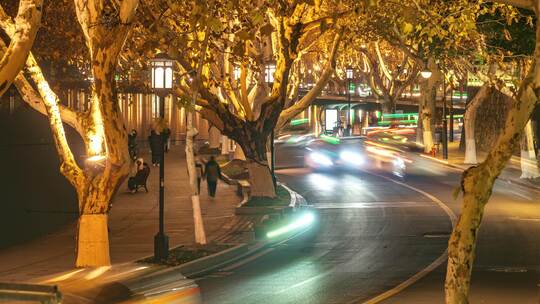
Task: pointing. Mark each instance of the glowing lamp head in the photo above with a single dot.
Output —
(269, 71)
(426, 74)
(350, 73)
(162, 72)
(236, 73)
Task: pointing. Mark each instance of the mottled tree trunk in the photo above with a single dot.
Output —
(105, 132)
(477, 184)
(22, 35)
(260, 179)
(200, 235)
(428, 100)
(92, 233)
(260, 176)
(469, 124)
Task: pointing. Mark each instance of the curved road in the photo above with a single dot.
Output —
(372, 234)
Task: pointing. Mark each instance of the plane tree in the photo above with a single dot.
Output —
(477, 181)
(387, 69)
(105, 26)
(25, 27)
(251, 51)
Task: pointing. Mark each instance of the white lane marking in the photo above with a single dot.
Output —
(422, 273)
(361, 205)
(302, 283)
(517, 218)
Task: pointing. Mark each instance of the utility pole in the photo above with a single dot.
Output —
(444, 121)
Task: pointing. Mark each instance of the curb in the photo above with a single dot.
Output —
(463, 168)
(163, 280)
(209, 263)
(296, 201)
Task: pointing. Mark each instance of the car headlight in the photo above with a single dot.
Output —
(321, 159)
(398, 161)
(351, 157)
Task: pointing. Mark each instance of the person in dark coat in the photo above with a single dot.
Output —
(156, 147)
(132, 144)
(212, 173)
(167, 133)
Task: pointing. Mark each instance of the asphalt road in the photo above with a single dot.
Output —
(374, 234)
(371, 235)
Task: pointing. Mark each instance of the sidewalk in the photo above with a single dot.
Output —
(133, 222)
(511, 172)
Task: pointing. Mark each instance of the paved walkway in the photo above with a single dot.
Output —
(133, 223)
(511, 172)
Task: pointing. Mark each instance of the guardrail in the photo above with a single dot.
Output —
(47, 294)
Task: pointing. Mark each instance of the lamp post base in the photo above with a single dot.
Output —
(161, 246)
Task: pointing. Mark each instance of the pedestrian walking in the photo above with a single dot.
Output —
(167, 132)
(212, 172)
(200, 173)
(156, 147)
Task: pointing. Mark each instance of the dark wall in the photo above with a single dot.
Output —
(35, 198)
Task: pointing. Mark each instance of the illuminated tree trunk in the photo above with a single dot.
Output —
(101, 128)
(200, 235)
(260, 176)
(22, 35)
(529, 165)
(428, 100)
(92, 235)
(477, 184)
(470, 122)
(214, 135)
(426, 115)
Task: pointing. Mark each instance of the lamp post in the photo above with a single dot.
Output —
(270, 69)
(350, 75)
(444, 123)
(162, 80)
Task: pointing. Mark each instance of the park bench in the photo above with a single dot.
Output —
(141, 178)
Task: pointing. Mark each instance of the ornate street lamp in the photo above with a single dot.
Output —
(162, 82)
(236, 73)
(269, 71)
(350, 75)
(425, 73)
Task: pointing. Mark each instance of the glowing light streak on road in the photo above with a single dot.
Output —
(303, 221)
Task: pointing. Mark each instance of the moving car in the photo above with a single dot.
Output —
(329, 153)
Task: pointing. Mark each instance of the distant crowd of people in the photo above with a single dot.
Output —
(210, 170)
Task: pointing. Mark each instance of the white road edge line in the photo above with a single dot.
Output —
(422, 273)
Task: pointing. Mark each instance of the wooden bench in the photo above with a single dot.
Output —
(48, 294)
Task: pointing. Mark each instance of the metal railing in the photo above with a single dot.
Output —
(47, 294)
